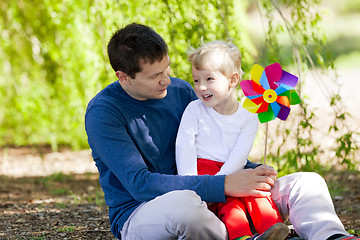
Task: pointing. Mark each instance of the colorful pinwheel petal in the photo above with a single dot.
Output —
(270, 92)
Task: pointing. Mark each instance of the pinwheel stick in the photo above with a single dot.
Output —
(266, 135)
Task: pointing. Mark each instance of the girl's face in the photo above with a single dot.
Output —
(215, 90)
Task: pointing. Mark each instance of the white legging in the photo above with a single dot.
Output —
(304, 197)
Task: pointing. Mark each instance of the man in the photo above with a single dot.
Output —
(131, 127)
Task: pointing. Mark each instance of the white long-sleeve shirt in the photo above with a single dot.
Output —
(204, 133)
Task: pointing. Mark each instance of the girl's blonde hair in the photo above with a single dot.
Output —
(218, 56)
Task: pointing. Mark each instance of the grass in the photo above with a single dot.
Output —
(70, 228)
(354, 232)
(66, 188)
(39, 237)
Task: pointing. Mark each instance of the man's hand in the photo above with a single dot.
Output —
(268, 167)
(250, 182)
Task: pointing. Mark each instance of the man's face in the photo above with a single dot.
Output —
(151, 82)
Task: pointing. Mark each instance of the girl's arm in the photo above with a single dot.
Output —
(185, 153)
(237, 158)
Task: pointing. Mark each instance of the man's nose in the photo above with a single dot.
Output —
(165, 80)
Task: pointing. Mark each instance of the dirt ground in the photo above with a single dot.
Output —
(55, 207)
(71, 206)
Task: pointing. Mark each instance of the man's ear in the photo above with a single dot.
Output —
(123, 77)
(235, 79)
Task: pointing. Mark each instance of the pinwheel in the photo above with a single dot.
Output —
(269, 93)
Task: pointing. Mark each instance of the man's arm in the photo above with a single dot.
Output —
(108, 138)
(251, 165)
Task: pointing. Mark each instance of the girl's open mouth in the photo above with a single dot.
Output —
(207, 96)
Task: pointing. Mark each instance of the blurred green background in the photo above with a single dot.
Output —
(53, 56)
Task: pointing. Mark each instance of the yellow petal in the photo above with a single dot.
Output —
(250, 106)
(256, 72)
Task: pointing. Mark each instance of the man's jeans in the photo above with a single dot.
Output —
(304, 197)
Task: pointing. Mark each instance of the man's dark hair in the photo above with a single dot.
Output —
(133, 44)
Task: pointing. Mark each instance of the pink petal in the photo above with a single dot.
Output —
(273, 73)
(247, 87)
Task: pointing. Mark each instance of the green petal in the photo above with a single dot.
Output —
(292, 96)
(266, 116)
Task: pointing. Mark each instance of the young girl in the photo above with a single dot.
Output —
(216, 135)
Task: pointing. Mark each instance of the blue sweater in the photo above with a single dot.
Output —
(133, 146)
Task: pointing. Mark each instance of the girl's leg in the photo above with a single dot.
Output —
(174, 215)
(233, 215)
(233, 211)
(306, 199)
(263, 212)
(206, 166)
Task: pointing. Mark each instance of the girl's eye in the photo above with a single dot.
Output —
(210, 78)
(196, 81)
